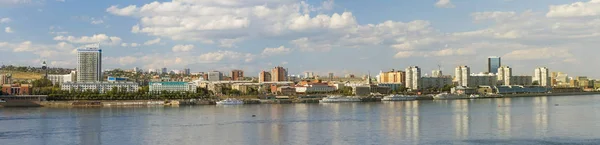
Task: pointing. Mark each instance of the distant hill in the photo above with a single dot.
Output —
(19, 75)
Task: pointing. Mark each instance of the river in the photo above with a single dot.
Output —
(525, 120)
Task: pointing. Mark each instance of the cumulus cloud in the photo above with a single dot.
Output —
(96, 38)
(444, 4)
(577, 9)
(8, 30)
(5, 20)
(182, 48)
(276, 51)
(535, 54)
(221, 55)
(152, 42)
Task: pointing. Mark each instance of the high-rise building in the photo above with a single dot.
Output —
(278, 74)
(436, 73)
(461, 75)
(542, 76)
(494, 62)
(309, 75)
(237, 75)
(187, 71)
(482, 79)
(504, 75)
(89, 68)
(164, 70)
(330, 75)
(413, 77)
(264, 76)
(215, 76)
(393, 76)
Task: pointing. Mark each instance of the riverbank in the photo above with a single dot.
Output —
(134, 103)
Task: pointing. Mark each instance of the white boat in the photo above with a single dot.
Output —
(338, 98)
(473, 96)
(444, 96)
(230, 101)
(399, 98)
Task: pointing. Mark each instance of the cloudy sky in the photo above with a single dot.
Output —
(341, 36)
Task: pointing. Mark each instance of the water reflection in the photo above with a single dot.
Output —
(411, 120)
(503, 116)
(461, 118)
(540, 111)
(90, 126)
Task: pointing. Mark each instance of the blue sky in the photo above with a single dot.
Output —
(318, 35)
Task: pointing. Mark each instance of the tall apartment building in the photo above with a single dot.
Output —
(264, 76)
(215, 76)
(237, 75)
(436, 73)
(308, 75)
(461, 75)
(279, 74)
(413, 78)
(393, 76)
(89, 68)
(164, 70)
(504, 75)
(542, 76)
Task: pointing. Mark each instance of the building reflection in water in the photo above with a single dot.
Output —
(411, 120)
(541, 115)
(90, 125)
(503, 116)
(461, 118)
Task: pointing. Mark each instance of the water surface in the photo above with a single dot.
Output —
(534, 120)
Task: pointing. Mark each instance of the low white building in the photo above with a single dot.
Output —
(60, 79)
(314, 88)
(101, 87)
(158, 87)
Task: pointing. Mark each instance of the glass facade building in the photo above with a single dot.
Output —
(494, 63)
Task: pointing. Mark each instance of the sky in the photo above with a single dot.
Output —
(321, 36)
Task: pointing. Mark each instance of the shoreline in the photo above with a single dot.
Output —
(147, 103)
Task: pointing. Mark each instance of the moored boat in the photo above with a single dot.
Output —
(445, 96)
(399, 98)
(230, 101)
(339, 98)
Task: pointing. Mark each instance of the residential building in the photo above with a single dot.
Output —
(494, 62)
(187, 71)
(101, 87)
(542, 76)
(482, 79)
(435, 82)
(331, 75)
(413, 77)
(237, 75)
(392, 77)
(309, 75)
(89, 64)
(392, 86)
(361, 90)
(504, 75)
(164, 70)
(152, 71)
(521, 80)
(461, 75)
(246, 88)
(264, 76)
(16, 89)
(215, 76)
(314, 88)
(286, 90)
(279, 74)
(158, 87)
(5, 79)
(59, 79)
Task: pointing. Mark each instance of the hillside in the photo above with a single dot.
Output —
(18, 75)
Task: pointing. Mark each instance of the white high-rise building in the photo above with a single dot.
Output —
(542, 76)
(308, 75)
(504, 75)
(436, 73)
(461, 75)
(89, 68)
(413, 78)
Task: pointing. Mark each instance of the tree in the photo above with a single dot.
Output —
(447, 88)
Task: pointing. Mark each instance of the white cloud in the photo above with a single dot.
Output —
(229, 43)
(182, 48)
(444, 4)
(23, 47)
(577, 9)
(8, 30)
(60, 0)
(5, 20)
(222, 55)
(97, 21)
(535, 54)
(126, 11)
(276, 51)
(96, 38)
(152, 42)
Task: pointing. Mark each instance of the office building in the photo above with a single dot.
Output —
(237, 75)
(215, 76)
(279, 74)
(187, 71)
(60, 79)
(461, 75)
(158, 87)
(542, 76)
(413, 77)
(494, 62)
(164, 70)
(504, 75)
(100, 87)
(398, 77)
(264, 76)
(89, 67)
(330, 75)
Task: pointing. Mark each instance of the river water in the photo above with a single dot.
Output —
(528, 120)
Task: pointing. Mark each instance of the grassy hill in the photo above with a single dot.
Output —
(17, 75)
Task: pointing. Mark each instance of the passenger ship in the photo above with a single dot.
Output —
(339, 98)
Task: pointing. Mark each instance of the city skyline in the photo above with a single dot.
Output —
(341, 37)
